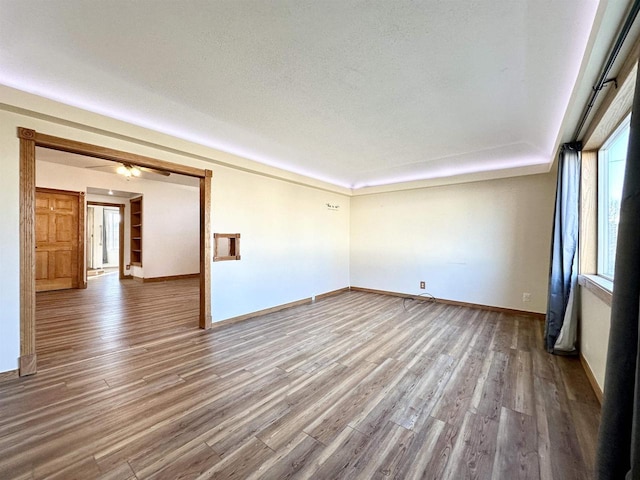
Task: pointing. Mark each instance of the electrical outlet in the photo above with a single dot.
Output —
(526, 297)
(422, 285)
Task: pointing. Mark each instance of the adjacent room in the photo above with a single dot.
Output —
(108, 233)
(319, 240)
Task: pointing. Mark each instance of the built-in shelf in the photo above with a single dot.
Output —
(136, 231)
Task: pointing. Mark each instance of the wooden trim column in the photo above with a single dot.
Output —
(205, 250)
(82, 206)
(27, 361)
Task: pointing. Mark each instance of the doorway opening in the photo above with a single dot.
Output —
(105, 239)
(29, 140)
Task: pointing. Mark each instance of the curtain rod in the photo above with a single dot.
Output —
(622, 35)
(577, 146)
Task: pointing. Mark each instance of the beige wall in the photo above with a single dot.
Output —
(595, 323)
(292, 245)
(485, 242)
(9, 248)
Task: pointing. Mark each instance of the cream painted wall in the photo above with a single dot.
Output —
(484, 243)
(9, 249)
(595, 323)
(292, 245)
(171, 218)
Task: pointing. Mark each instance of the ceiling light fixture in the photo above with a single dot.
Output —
(128, 171)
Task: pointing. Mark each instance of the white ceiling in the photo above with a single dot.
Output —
(108, 167)
(351, 92)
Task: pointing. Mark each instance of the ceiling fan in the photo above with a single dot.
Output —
(129, 170)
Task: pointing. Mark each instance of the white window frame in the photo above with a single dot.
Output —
(603, 196)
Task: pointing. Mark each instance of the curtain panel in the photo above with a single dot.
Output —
(561, 322)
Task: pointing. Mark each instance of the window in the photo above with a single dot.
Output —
(611, 162)
(226, 246)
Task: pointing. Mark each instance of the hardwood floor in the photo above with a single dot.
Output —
(352, 386)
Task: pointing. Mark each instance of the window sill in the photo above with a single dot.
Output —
(600, 287)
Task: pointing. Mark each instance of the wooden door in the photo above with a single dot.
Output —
(58, 233)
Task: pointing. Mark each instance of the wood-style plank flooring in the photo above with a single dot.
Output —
(352, 386)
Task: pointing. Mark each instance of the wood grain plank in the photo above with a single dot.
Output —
(519, 391)
(586, 419)
(192, 464)
(435, 441)
(415, 409)
(345, 459)
(517, 450)
(474, 451)
(240, 463)
(576, 382)
(355, 404)
(458, 393)
(382, 458)
(424, 451)
(489, 399)
(118, 472)
(289, 461)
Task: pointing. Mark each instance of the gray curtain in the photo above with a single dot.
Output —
(561, 323)
(619, 437)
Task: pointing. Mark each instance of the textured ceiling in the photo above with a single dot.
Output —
(355, 93)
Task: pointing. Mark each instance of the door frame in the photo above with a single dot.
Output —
(120, 206)
(80, 274)
(29, 140)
